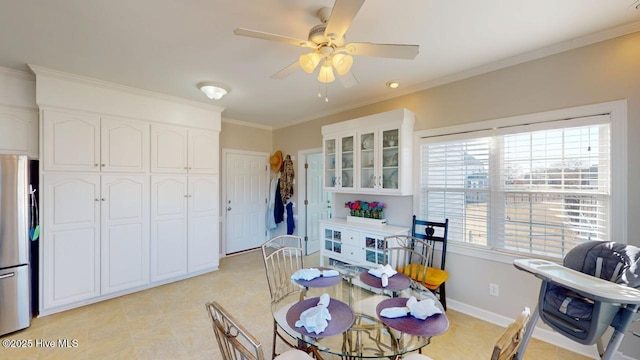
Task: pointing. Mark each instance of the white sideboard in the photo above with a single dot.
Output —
(355, 243)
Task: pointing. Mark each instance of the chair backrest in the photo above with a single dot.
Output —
(507, 345)
(408, 255)
(432, 232)
(235, 342)
(283, 255)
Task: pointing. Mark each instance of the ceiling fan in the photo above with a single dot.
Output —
(328, 45)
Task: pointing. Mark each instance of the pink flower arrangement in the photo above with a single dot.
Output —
(365, 209)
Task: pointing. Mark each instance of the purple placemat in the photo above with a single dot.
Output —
(397, 282)
(431, 326)
(342, 317)
(320, 282)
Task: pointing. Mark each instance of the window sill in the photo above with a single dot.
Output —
(504, 257)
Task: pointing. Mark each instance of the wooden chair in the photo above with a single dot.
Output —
(283, 255)
(432, 233)
(236, 343)
(506, 346)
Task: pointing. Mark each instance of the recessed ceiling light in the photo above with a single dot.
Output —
(213, 90)
(393, 84)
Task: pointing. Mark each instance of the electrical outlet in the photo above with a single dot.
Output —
(494, 289)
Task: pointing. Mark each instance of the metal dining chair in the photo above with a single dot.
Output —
(433, 233)
(407, 255)
(506, 346)
(236, 343)
(283, 255)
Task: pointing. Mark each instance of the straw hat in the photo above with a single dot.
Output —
(276, 161)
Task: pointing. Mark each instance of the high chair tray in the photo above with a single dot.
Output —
(598, 289)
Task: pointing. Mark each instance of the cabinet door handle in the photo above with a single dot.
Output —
(96, 164)
(102, 199)
(102, 165)
(4, 276)
(96, 199)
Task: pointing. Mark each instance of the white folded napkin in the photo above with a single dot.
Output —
(312, 273)
(418, 309)
(384, 272)
(315, 319)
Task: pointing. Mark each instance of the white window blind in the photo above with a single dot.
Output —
(532, 189)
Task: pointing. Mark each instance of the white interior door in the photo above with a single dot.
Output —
(318, 201)
(245, 200)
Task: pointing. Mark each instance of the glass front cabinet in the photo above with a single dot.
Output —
(339, 160)
(377, 160)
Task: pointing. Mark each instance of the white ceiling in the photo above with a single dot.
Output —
(168, 46)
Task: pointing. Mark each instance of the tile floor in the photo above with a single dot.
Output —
(170, 322)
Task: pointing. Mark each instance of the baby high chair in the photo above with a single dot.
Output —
(596, 287)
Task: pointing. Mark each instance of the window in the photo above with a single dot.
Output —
(539, 188)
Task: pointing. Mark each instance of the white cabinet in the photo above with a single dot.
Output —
(18, 131)
(203, 245)
(339, 162)
(124, 145)
(124, 240)
(71, 141)
(97, 235)
(378, 160)
(81, 142)
(356, 244)
(72, 238)
(168, 226)
(179, 150)
(184, 225)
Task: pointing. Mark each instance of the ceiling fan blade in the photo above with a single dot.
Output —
(290, 69)
(273, 37)
(348, 80)
(396, 51)
(341, 16)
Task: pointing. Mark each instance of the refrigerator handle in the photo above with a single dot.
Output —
(4, 276)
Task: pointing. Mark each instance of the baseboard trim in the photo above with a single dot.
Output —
(539, 333)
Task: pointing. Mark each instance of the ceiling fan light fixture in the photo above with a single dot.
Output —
(342, 63)
(212, 90)
(309, 62)
(326, 74)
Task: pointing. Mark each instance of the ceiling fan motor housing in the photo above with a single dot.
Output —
(316, 35)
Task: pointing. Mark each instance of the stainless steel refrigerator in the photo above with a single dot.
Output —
(15, 301)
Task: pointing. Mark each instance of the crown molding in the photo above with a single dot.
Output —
(246, 123)
(18, 74)
(38, 70)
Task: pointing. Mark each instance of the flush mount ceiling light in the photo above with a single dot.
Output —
(212, 90)
(393, 84)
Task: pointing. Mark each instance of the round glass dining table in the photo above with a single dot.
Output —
(355, 329)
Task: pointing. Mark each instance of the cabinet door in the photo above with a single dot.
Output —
(373, 246)
(125, 232)
(330, 177)
(168, 149)
(367, 169)
(71, 141)
(347, 174)
(168, 226)
(390, 158)
(18, 132)
(332, 243)
(124, 145)
(203, 152)
(71, 238)
(203, 238)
